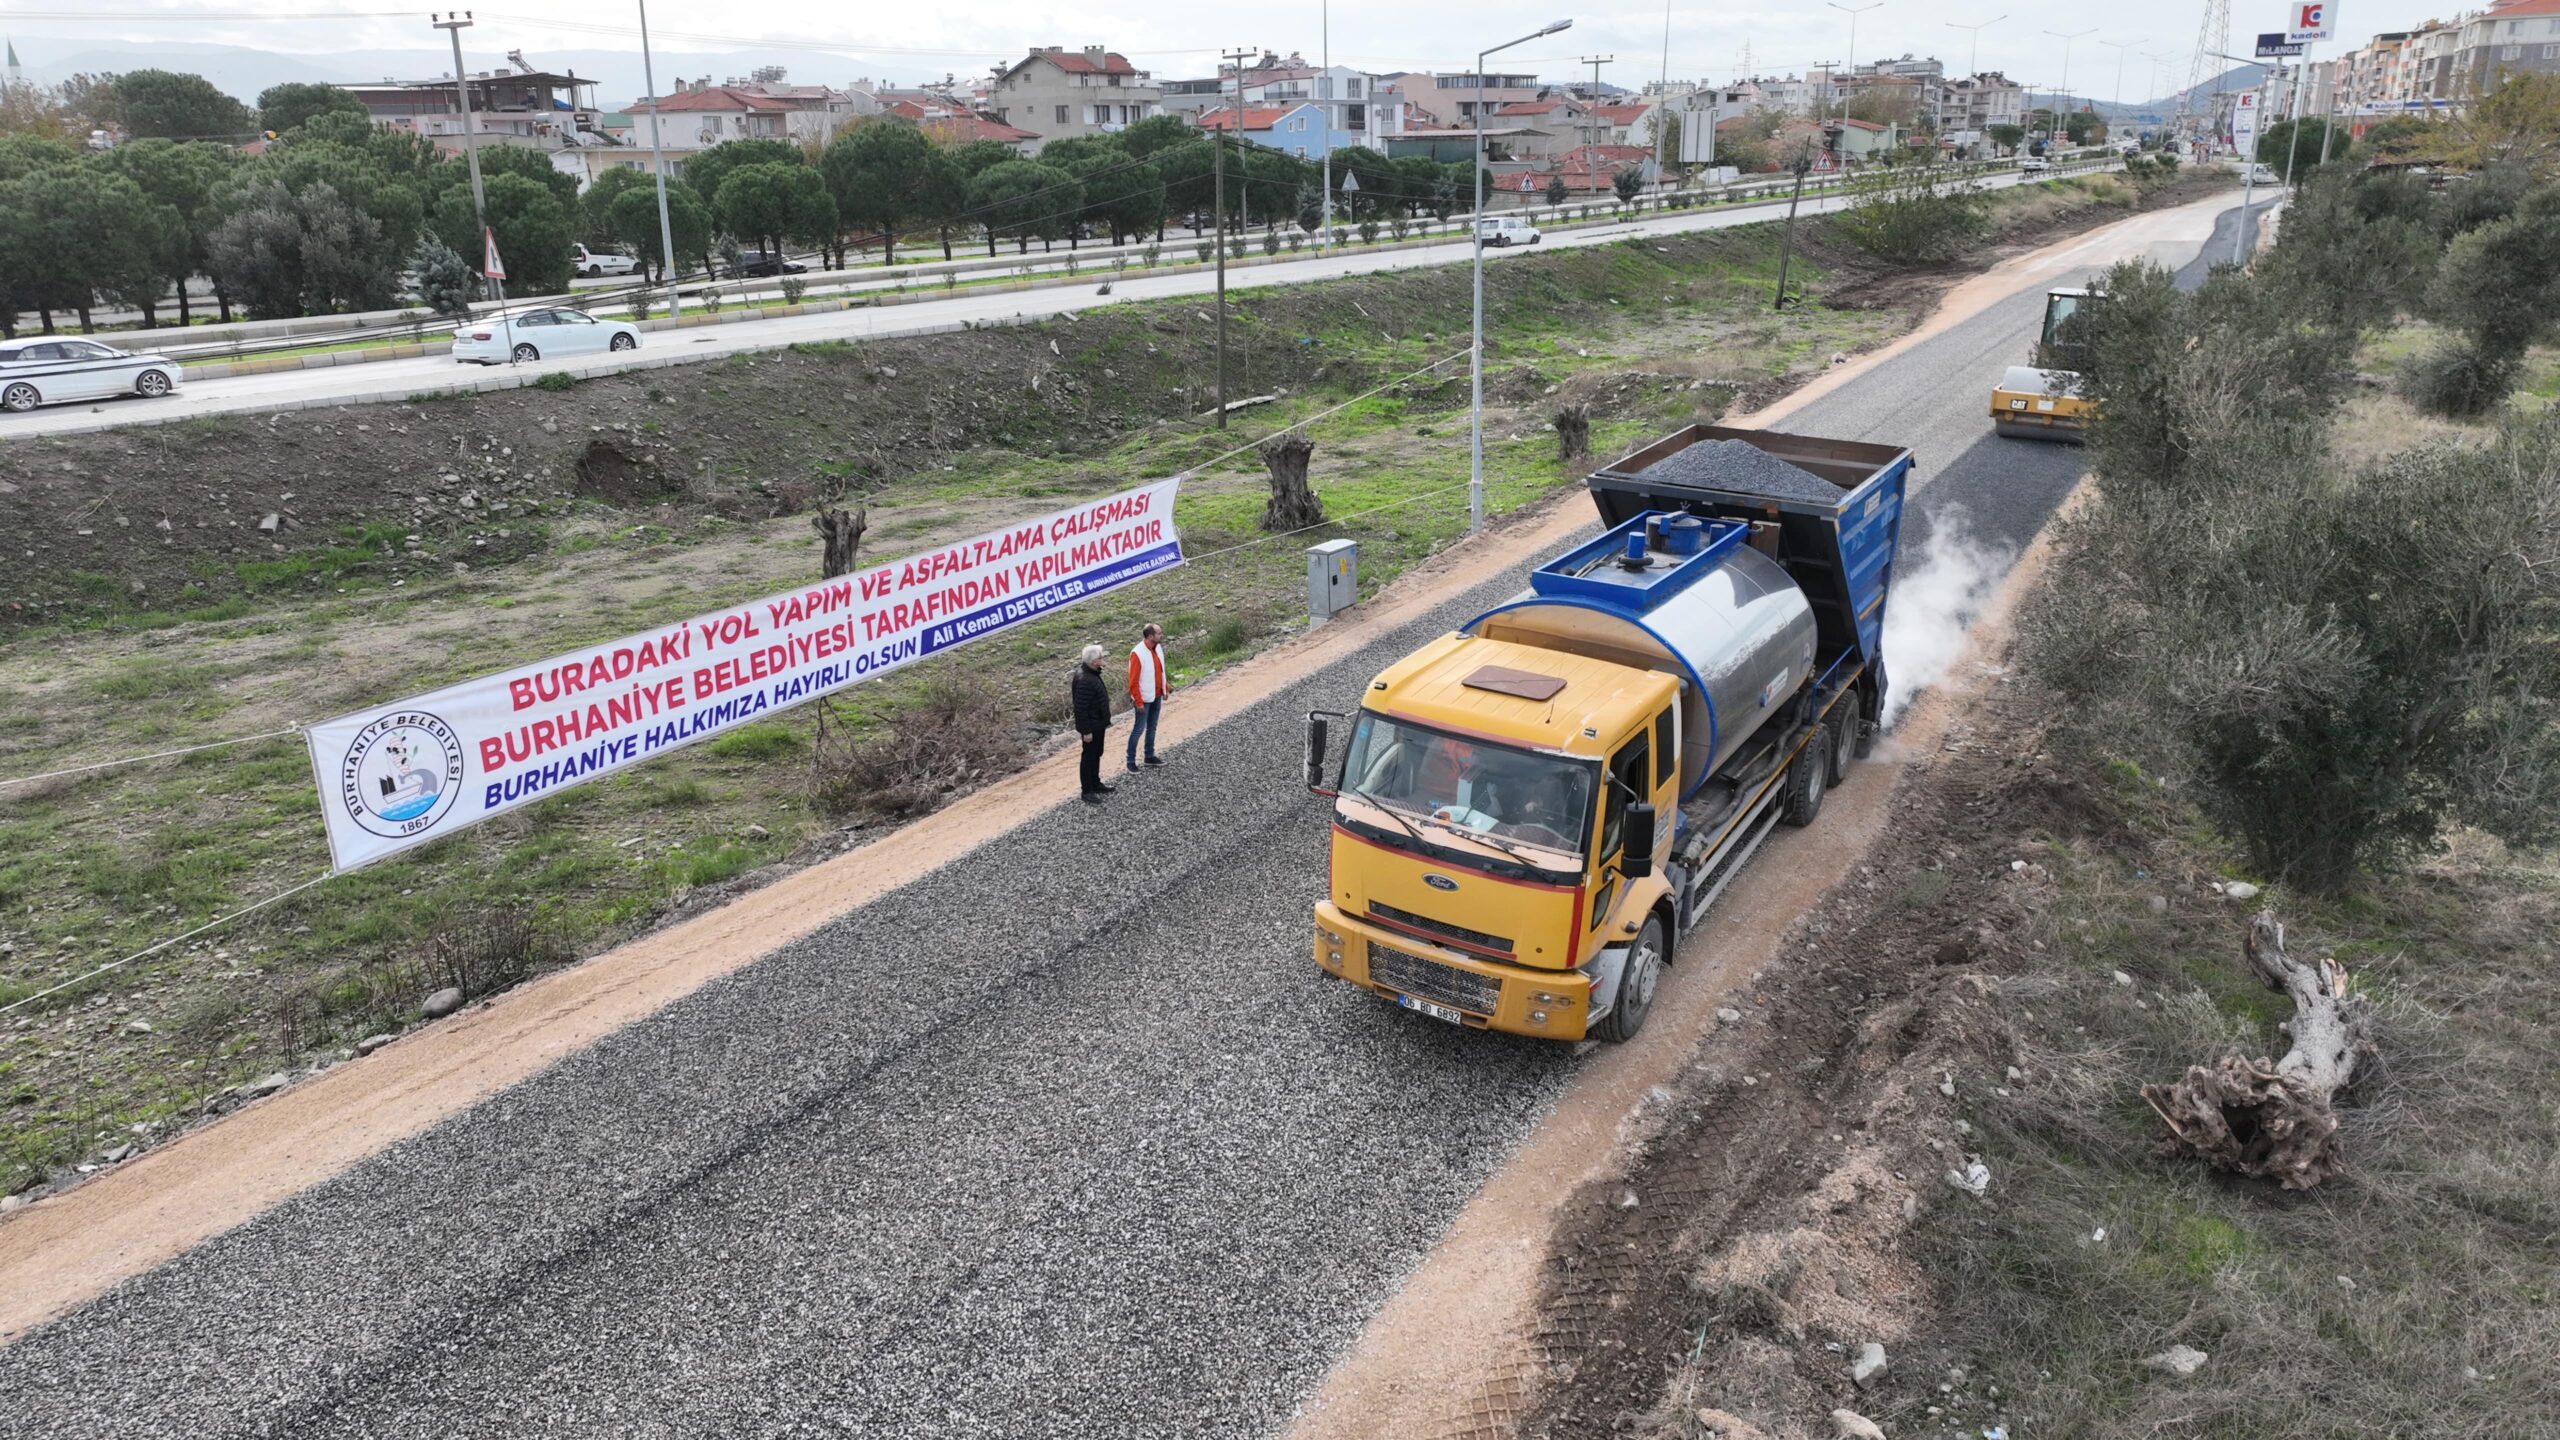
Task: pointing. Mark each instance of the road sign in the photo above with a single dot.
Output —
(2274, 44)
(2244, 124)
(1350, 183)
(490, 264)
(2310, 20)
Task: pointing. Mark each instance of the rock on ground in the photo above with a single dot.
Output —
(1850, 1425)
(2179, 1360)
(444, 1002)
(1869, 1364)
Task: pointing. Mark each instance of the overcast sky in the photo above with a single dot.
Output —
(1177, 38)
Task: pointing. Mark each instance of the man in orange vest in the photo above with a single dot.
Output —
(1147, 684)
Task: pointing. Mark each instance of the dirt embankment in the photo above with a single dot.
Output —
(2038, 936)
(189, 517)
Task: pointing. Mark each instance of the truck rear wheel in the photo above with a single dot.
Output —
(1846, 729)
(1635, 988)
(1806, 779)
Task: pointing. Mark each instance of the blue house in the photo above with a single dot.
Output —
(1291, 129)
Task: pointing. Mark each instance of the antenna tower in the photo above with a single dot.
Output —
(2213, 35)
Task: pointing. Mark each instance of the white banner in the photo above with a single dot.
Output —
(404, 774)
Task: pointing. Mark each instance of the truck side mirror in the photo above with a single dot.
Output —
(1635, 858)
(1316, 729)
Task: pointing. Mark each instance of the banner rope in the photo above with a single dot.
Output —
(214, 923)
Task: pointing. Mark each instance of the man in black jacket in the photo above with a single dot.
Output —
(1093, 717)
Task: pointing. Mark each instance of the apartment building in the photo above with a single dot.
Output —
(1056, 93)
(1451, 97)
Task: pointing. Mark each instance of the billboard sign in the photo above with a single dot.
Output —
(2276, 45)
(402, 774)
(2310, 20)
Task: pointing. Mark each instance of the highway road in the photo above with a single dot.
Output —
(399, 379)
(1067, 1139)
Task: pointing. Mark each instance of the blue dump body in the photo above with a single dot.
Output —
(1828, 511)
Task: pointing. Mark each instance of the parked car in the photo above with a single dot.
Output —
(54, 370)
(2260, 175)
(539, 335)
(592, 263)
(764, 263)
(1507, 230)
(2034, 165)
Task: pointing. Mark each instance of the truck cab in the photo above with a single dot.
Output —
(1530, 812)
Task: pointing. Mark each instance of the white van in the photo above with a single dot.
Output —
(1506, 230)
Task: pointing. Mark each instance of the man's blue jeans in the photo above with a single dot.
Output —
(1142, 721)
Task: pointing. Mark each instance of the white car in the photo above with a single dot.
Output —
(533, 335)
(2260, 175)
(593, 263)
(1507, 230)
(2034, 165)
(56, 369)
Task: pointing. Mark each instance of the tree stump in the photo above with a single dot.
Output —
(843, 536)
(1294, 505)
(2273, 1120)
(1573, 433)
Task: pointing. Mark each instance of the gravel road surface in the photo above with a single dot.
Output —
(398, 379)
(1069, 1139)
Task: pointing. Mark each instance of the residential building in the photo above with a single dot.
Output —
(1291, 129)
(1629, 122)
(1056, 93)
(1452, 96)
(1593, 169)
(1357, 109)
(2522, 37)
(526, 107)
(1975, 103)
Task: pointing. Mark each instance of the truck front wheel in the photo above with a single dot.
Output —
(1807, 778)
(1635, 988)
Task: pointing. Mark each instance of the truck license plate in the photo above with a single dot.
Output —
(1436, 1012)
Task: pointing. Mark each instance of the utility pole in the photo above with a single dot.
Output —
(1218, 182)
(2120, 47)
(658, 163)
(1591, 127)
(454, 25)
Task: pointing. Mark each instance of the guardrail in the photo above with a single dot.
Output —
(1072, 268)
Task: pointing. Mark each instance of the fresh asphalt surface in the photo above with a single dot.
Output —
(1068, 1139)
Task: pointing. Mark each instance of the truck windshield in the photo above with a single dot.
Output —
(1506, 797)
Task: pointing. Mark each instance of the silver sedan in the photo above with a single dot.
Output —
(59, 369)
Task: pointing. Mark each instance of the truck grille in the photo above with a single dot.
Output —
(1432, 980)
(1459, 933)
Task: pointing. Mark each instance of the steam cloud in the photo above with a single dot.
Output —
(1932, 605)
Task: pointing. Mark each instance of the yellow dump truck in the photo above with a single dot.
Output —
(1499, 857)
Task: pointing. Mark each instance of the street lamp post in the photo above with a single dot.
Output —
(2248, 175)
(2060, 119)
(1853, 14)
(2120, 47)
(1973, 65)
(1475, 347)
(454, 24)
(658, 163)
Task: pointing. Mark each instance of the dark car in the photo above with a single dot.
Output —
(762, 262)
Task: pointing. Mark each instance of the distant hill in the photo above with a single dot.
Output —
(244, 72)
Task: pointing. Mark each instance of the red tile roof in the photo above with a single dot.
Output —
(1626, 114)
(1252, 117)
(717, 98)
(1074, 62)
(961, 129)
(1595, 167)
(1535, 107)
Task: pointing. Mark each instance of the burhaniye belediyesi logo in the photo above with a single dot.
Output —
(401, 774)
